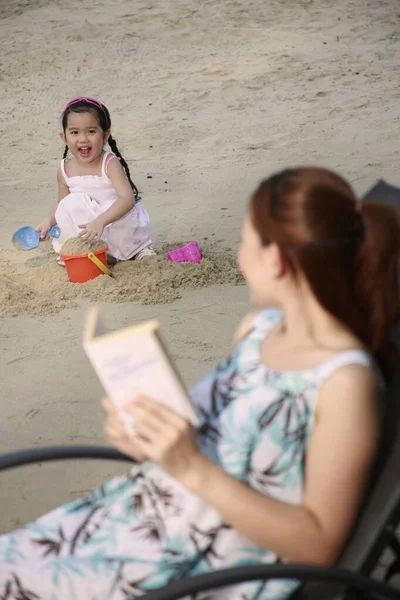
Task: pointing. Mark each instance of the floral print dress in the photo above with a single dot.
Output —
(142, 530)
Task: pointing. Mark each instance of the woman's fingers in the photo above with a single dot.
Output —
(142, 405)
(113, 427)
(154, 420)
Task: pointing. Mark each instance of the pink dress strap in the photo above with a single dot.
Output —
(106, 161)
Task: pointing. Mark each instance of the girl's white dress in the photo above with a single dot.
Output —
(89, 197)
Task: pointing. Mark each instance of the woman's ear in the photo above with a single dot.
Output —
(106, 135)
(62, 136)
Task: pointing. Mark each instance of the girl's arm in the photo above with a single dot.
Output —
(125, 198)
(50, 220)
(339, 459)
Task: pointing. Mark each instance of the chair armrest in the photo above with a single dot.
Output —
(51, 453)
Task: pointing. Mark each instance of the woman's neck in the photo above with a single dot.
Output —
(307, 324)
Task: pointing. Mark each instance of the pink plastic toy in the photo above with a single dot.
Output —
(189, 253)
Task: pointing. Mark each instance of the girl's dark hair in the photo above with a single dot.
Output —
(347, 252)
(101, 114)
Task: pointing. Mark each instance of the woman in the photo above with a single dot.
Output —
(289, 421)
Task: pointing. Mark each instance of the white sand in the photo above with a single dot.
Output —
(206, 98)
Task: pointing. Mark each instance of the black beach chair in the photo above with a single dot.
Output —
(374, 533)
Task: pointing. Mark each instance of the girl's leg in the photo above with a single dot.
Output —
(74, 210)
(128, 236)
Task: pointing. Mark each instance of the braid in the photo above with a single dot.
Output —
(65, 152)
(114, 148)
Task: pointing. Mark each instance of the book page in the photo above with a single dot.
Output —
(129, 365)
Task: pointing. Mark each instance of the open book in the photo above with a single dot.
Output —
(134, 361)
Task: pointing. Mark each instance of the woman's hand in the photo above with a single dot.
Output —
(165, 438)
(44, 227)
(117, 435)
(92, 231)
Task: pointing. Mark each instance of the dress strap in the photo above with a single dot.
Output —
(107, 158)
(266, 319)
(348, 357)
(62, 166)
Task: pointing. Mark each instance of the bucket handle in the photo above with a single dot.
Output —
(99, 264)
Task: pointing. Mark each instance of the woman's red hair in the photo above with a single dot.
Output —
(347, 251)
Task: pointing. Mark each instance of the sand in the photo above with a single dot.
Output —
(44, 289)
(76, 245)
(205, 100)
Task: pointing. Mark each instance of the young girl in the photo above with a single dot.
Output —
(96, 196)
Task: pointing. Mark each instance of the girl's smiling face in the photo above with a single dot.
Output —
(84, 136)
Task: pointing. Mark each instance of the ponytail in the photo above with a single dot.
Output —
(377, 279)
(348, 256)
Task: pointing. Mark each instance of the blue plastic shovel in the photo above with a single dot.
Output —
(26, 238)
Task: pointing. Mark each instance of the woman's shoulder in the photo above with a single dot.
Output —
(350, 391)
(263, 320)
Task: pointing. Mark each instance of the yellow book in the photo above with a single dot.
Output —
(134, 361)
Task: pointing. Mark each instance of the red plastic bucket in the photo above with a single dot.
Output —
(80, 268)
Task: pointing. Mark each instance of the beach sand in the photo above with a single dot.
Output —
(205, 100)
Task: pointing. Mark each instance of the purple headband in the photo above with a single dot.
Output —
(89, 101)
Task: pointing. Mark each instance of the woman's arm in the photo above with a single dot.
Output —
(339, 459)
(125, 198)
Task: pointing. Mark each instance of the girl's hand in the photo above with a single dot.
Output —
(44, 227)
(92, 231)
(164, 437)
(117, 435)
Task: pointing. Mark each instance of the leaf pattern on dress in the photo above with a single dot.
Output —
(137, 503)
(167, 498)
(289, 414)
(52, 546)
(132, 589)
(16, 590)
(210, 535)
(82, 533)
(150, 531)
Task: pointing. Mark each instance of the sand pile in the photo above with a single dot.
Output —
(76, 245)
(42, 288)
